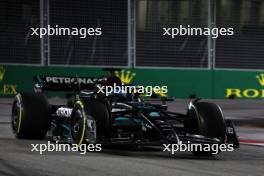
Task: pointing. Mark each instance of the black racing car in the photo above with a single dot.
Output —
(116, 119)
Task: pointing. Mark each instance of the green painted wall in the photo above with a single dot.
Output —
(247, 82)
(181, 83)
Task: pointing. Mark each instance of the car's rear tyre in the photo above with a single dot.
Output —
(209, 123)
(30, 116)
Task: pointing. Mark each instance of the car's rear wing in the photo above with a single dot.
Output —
(65, 83)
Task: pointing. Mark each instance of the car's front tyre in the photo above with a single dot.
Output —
(209, 122)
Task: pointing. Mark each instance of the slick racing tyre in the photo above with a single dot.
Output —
(89, 120)
(30, 116)
(209, 123)
(100, 110)
(83, 127)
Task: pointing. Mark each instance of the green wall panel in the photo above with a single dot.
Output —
(181, 83)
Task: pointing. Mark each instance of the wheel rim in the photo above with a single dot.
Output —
(16, 116)
(77, 121)
(91, 130)
(83, 128)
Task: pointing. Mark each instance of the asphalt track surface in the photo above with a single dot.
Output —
(16, 157)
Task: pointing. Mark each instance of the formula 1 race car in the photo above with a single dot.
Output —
(116, 119)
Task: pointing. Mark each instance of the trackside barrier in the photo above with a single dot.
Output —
(217, 84)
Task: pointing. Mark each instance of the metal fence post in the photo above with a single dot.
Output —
(44, 41)
(131, 32)
(211, 41)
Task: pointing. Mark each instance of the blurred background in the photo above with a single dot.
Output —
(132, 33)
(191, 66)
